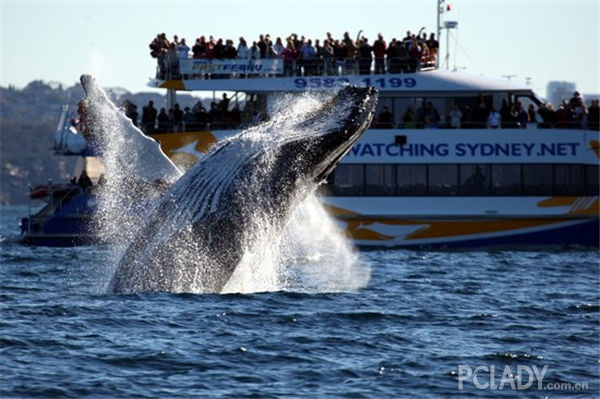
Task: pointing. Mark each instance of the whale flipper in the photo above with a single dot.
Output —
(138, 155)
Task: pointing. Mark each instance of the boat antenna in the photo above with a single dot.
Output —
(439, 12)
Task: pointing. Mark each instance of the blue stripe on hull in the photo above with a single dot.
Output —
(585, 234)
(582, 234)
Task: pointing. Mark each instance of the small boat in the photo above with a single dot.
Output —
(67, 213)
(64, 220)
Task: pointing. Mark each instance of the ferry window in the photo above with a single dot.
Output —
(379, 179)
(506, 179)
(592, 179)
(429, 112)
(444, 109)
(384, 115)
(526, 100)
(408, 116)
(443, 179)
(569, 179)
(411, 179)
(401, 104)
(537, 179)
(349, 180)
(475, 179)
(464, 102)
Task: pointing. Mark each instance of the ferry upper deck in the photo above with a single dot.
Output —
(408, 81)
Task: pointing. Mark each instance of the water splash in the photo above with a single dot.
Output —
(310, 254)
(123, 202)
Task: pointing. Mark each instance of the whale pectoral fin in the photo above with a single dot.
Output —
(138, 154)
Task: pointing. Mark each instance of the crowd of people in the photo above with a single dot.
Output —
(305, 56)
(571, 114)
(332, 56)
(220, 115)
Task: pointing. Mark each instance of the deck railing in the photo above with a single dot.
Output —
(203, 126)
(279, 67)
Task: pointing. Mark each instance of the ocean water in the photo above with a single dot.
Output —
(423, 321)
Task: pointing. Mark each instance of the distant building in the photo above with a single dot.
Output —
(588, 97)
(557, 91)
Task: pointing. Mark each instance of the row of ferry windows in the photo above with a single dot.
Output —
(453, 179)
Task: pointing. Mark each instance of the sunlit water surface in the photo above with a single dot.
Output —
(404, 334)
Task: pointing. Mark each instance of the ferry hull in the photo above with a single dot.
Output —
(467, 222)
(525, 232)
(470, 233)
(453, 221)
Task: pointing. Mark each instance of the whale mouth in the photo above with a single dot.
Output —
(362, 113)
(345, 111)
(352, 110)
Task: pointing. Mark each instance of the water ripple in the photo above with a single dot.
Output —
(404, 335)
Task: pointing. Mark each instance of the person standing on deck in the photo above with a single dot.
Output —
(183, 49)
(494, 119)
(379, 49)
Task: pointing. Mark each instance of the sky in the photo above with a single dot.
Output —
(530, 40)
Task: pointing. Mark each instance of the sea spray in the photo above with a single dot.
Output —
(310, 255)
(123, 200)
(317, 256)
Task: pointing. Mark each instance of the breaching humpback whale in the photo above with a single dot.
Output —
(197, 232)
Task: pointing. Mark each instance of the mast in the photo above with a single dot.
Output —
(440, 10)
(170, 98)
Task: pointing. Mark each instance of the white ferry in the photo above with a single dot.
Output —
(419, 182)
(429, 185)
